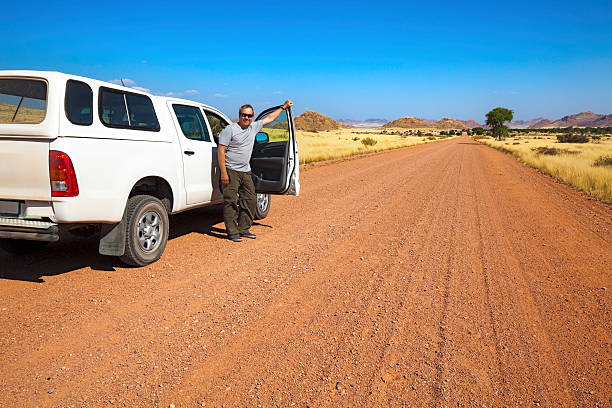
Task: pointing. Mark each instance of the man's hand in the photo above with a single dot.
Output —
(272, 116)
(221, 158)
(224, 178)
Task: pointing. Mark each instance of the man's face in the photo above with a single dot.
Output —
(246, 117)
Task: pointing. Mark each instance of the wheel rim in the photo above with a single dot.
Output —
(263, 200)
(149, 231)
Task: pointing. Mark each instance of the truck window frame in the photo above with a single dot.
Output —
(103, 89)
(66, 103)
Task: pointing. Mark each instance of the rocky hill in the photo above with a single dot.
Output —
(407, 122)
(312, 121)
(447, 123)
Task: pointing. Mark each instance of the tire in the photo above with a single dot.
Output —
(262, 206)
(21, 246)
(146, 230)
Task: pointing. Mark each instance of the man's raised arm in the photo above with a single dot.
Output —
(272, 117)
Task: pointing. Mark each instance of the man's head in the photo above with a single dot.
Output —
(245, 116)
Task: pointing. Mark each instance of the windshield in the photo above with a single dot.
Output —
(22, 100)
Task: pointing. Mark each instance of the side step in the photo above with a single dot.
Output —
(34, 230)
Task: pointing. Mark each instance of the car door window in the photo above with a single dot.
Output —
(278, 130)
(217, 124)
(192, 122)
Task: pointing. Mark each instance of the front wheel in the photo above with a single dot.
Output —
(263, 206)
(147, 224)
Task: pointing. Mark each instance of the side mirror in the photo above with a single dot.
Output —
(262, 137)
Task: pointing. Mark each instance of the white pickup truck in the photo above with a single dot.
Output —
(80, 154)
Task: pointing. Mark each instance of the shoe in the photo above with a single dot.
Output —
(235, 238)
(249, 235)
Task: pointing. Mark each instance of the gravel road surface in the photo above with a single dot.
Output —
(438, 275)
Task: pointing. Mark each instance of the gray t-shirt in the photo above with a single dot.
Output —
(239, 144)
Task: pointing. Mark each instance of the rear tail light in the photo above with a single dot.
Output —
(62, 175)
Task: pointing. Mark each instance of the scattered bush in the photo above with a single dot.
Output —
(553, 151)
(572, 138)
(369, 141)
(431, 138)
(355, 139)
(603, 161)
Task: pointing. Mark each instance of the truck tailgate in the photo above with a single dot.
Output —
(24, 169)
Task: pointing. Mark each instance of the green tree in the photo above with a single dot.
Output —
(478, 131)
(496, 119)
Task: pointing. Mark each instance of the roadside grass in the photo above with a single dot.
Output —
(317, 146)
(585, 166)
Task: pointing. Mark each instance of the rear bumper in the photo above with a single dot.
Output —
(33, 230)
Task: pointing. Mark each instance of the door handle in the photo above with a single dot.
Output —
(189, 152)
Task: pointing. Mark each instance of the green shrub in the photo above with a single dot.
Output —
(369, 141)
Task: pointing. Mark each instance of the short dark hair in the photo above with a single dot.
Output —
(244, 107)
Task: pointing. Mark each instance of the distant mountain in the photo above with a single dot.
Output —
(524, 124)
(586, 118)
(470, 123)
(544, 123)
(582, 119)
(312, 121)
(407, 122)
(367, 124)
(410, 122)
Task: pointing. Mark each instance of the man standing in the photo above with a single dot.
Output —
(235, 147)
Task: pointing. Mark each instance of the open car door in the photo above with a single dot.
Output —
(275, 162)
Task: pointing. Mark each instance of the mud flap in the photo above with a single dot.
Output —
(112, 239)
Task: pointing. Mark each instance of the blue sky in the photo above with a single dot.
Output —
(353, 60)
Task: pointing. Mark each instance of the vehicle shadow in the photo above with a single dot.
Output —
(72, 253)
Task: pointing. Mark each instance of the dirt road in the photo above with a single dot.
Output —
(435, 275)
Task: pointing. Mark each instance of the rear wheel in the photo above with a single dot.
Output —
(147, 227)
(263, 206)
(21, 246)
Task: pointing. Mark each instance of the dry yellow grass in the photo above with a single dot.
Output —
(573, 164)
(348, 142)
(24, 115)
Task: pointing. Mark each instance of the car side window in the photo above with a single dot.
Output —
(79, 103)
(217, 124)
(127, 110)
(142, 113)
(192, 122)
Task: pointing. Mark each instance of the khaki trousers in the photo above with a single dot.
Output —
(239, 202)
